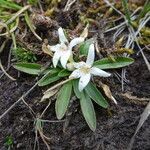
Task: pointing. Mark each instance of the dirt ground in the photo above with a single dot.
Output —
(114, 127)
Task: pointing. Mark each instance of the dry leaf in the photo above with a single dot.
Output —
(48, 94)
(134, 98)
(84, 34)
(46, 50)
(108, 93)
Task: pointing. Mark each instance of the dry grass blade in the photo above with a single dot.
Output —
(111, 5)
(30, 25)
(12, 29)
(144, 57)
(17, 14)
(3, 45)
(2, 68)
(23, 96)
(69, 4)
(128, 95)
(19, 100)
(39, 129)
(58, 85)
(143, 118)
(4, 25)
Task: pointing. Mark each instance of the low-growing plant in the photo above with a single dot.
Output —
(23, 55)
(74, 77)
(9, 142)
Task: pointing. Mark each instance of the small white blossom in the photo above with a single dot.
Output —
(84, 70)
(63, 50)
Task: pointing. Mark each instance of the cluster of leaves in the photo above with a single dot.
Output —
(9, 142)
(23, 55)
(10, 16)
(89, 95)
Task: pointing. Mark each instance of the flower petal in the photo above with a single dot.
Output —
(56, 58)
(91, 55)
(53, 48)
(64, 58)
(84, 34)
(79, 65)
(62, 37)
(75, 41)
(75, 74)
(99, 72)
(84, 80)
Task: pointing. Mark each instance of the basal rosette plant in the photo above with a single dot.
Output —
(74, 77)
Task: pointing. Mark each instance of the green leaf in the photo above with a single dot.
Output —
(30, 68)
(49, 78)
(84, 48)
(145, 9)
(126, 10)
(63, 99)
(88, 111)
(9, 5)
(119, 62)
(31, 26)
(33, 2)
(95, 94)
(64, 73)
(76, 89)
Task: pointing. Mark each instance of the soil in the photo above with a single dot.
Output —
(115, 125)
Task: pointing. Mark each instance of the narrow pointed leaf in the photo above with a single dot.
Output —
(30, 68)
(85, 47)
(76, 89)
(119, 62)
(88, 111)
(64, 73)
(63, 99)
(10, 5)
(126, 10)
(95, 95)
(49, 78)
(145, 9)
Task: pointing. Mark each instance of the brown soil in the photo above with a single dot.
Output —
(115, 126)
(114, 130)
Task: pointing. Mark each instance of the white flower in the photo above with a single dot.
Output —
(84, 70)
(63, 51)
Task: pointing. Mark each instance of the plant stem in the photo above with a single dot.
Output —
(2, 68)
(57, 85)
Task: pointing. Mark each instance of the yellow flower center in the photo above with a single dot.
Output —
(63, 47)
(85, 69)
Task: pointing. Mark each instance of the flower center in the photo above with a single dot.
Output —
(85, 69)
(63, 47)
